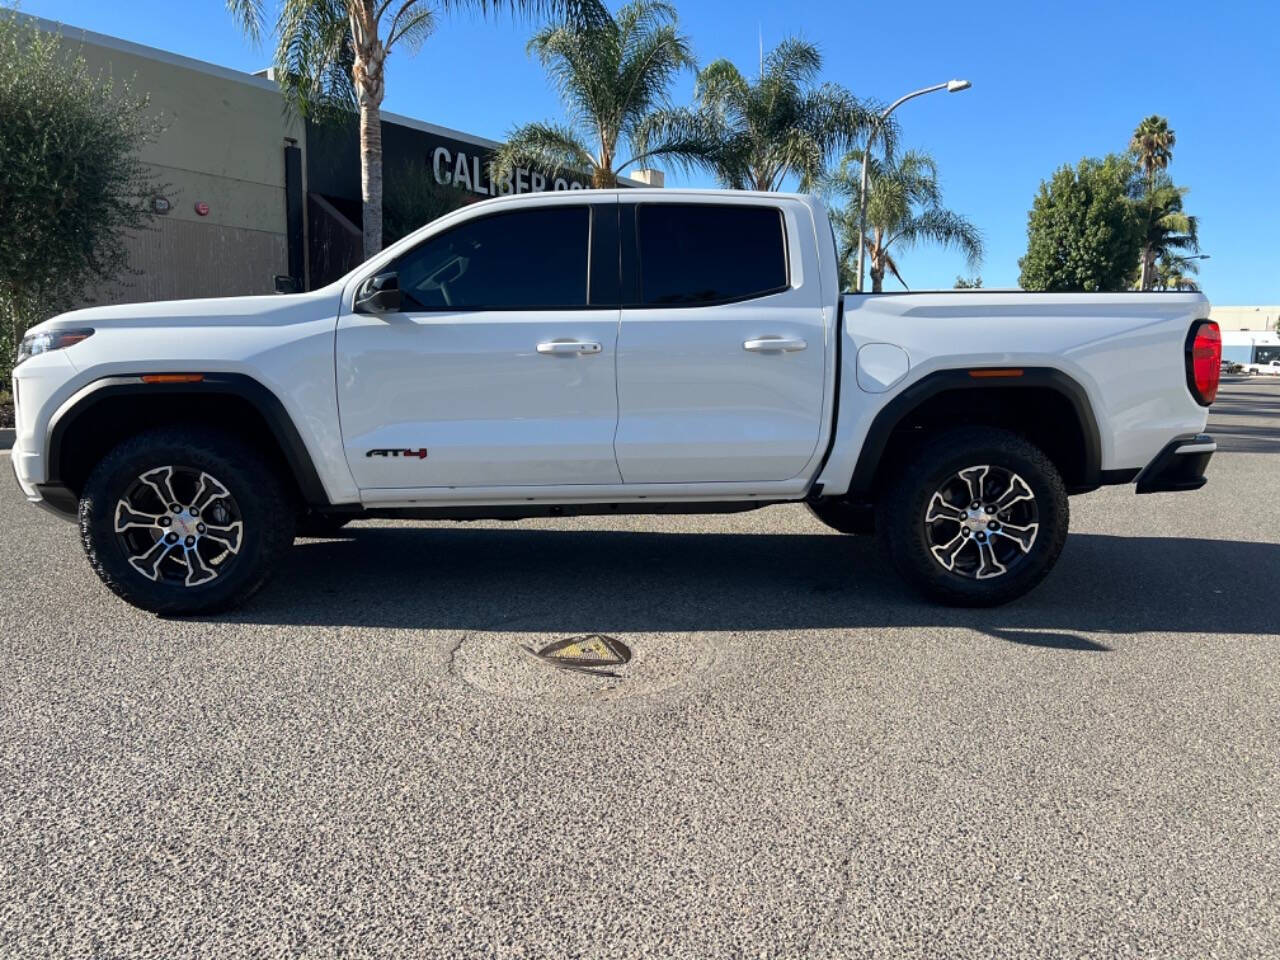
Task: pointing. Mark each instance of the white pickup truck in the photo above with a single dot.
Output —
(606, 352)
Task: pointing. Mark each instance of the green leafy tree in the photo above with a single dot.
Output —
(612, 76)
(72, 187)
(757, 134)
(968, 283)
(904, 208)
(1083, 233)
(331, 56)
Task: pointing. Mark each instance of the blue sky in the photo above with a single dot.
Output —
(1052, 82)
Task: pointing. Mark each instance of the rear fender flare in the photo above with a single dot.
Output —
(896, 410)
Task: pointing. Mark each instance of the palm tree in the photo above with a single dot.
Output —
(1169, 231)
(1175, 272)
(1152, 144)
(755, 134)
(612, 75)
(331, 55)
(904, 207)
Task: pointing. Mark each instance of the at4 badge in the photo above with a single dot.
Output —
(420, 453)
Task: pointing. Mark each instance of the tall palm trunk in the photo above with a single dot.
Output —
(877, 263)
(369, 81)
(1146, 278)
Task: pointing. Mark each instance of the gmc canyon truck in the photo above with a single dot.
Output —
(595, 352)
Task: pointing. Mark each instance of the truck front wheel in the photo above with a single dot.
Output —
(977, 518)
(180, 521)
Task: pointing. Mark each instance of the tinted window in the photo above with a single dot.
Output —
(704, 253)
(526, 259)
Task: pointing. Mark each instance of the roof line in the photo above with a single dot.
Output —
(72, 32)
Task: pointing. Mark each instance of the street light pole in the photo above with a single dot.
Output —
(951, 86)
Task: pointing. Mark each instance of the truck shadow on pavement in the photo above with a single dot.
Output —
(572, 581)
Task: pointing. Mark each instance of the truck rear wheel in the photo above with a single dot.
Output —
(185, 520)
(976, 519)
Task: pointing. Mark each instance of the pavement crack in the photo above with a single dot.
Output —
(453, 655)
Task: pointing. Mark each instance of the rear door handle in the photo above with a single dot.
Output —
(568, 348)
(774, 344)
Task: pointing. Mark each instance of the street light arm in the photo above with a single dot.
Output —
(910, 96)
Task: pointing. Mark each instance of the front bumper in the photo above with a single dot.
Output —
(53, 497)
(1179, 466)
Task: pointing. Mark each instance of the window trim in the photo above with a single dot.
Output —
(523, 308)
(682, 202)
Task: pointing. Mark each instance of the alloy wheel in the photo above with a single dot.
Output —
(982, 522)
(179, 525)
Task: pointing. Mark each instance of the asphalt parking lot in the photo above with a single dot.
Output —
(801, 760)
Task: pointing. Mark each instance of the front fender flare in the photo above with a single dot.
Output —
(239, 385)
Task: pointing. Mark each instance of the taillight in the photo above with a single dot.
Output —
(1204, 361)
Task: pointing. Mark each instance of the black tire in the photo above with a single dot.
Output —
(319, 525)
(909, 540)
(844, 517)
(256, 498)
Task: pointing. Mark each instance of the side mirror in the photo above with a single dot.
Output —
(287, 284)
(379, 294)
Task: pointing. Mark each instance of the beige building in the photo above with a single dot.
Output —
(1246, 318)
(221, 224)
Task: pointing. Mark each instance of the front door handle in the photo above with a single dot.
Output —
(568, 348)
(774, 344)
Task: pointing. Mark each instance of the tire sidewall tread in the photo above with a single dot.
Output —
(902, 533)
(265, 506)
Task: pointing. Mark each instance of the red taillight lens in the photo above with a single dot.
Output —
(1204, 361)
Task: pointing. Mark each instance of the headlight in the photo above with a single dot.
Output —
(34, 343)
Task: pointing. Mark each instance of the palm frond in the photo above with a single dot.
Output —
(687, 139)
(947, 229)
(721, 86)
(412, 23)
(554, 148)
(314, 58)
(248, 15)
(586, 12)
(792, 63)
(893, 268)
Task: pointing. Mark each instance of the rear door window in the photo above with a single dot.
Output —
(700, 253)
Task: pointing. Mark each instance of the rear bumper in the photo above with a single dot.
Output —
(1179, 466)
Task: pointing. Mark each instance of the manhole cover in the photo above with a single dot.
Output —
(593, 653)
